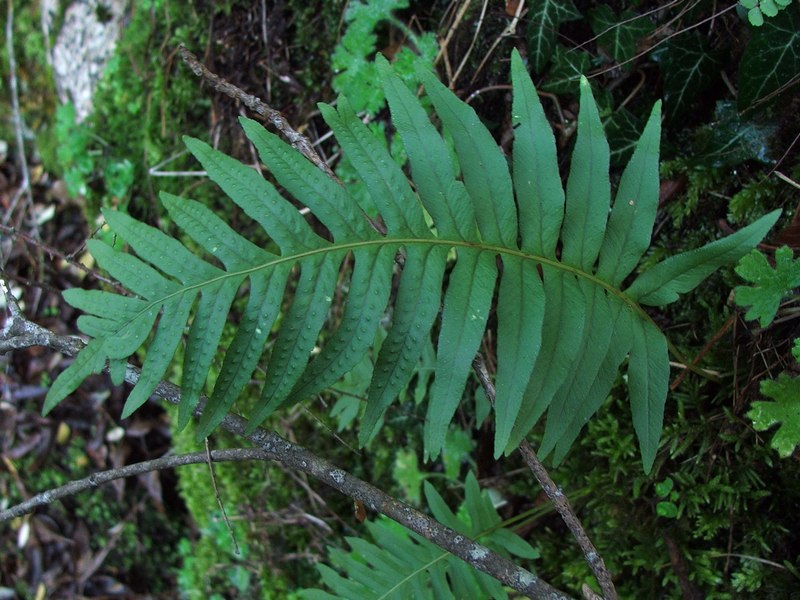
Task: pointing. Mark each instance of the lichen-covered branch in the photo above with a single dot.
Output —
(21, 333)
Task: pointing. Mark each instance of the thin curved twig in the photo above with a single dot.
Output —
(25, 186)
(159, 464)
(555, 494)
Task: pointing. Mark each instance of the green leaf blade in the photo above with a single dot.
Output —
(387, 185)
(648, 381)
(161, 350)
(214, 235)
(631, 221)
(157, 248)
(466, 309)
(431, 165)
(540, 196)
(771, 285)
(369, 292)
(100, 302)
(244, 351)
(310, 186)
(483, 166)
(785, 409)
(588, 188)
(678, 274)
(90, 360)
(606, 375)
(256, 196)
(520, 316)
(140, 278)
(771, 60)
(202, 342)
(417, 305)
(296, 338)
(544, 19)
(562, 331)
(572, 395)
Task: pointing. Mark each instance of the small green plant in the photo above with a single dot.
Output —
(356, 74)
(758, 9)
(72, 143)
(785, 410)
(666, 507)
(770, 287)
(562, 332)
(80, 154)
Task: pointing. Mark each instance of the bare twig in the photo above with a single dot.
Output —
(68, 258)
(464, 58)
(510, 29)
(210, 461)
(562, 505)
(25, 186)
(97, 479)
(19, 333)
(555, 494)
(300, 142)
(296, 457)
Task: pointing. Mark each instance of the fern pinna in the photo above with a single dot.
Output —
(566, 316)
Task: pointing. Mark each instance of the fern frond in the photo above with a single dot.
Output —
(559, 262)
(400, 564)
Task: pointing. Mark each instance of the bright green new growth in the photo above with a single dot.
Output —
(565, 319)
(784, 411)
(770, 285)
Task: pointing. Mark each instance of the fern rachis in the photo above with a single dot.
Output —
(564, 323)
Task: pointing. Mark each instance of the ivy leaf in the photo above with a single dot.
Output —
(771, 60)
(565, 74)
(544, 18)
(690, 67)
(771, 285)
(623, 129)
(785, 410)
(618, 35)
(730, 141)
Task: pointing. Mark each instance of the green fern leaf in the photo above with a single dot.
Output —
(464, 315)
(483, 165)
(540, 197)
(296, 340)
(588, 190)
(648, 379)
(679, 274)
(564, 324)
(400, 564)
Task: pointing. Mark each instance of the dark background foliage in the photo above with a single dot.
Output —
(717, 516)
